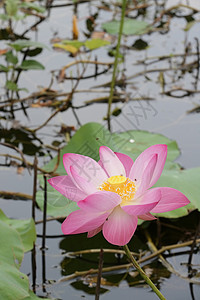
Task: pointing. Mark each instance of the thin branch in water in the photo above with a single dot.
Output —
(65, 106)
(164, 261)
(31, 165)
(127, 266)
(51, 236)
(34, 187)
(191, 286)
(49, 218)
(85, 61)
(192, 251)
(68, 4)
(33, 252)
(42, 18)
(15, 195)
(44, 212)
(115, 251)
(87, 76)
(19, 151)
(43, 271)
(57, 163)
(141, 73)
(198, 64)
(20, 70)
(98, 286)
(34, 268)
(159, 58)
(76, 116)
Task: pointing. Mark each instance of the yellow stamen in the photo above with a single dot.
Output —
(116, 180)
(120, 185)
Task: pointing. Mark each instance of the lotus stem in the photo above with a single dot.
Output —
(143, 274)
(116, 62)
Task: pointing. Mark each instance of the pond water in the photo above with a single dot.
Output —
(159, 89)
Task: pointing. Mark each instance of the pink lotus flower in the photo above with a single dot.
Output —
(113, 193)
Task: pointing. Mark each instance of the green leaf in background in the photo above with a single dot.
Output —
(32, 296)
(11, 7)
(25, 228)
(33, 52)
(86, 141)
(131, 27)
(14, 87)
(133, 142)
(16, 236)
(14, 285)
(31, 65)
(4, 17)
(11, 85)
(95, 43)
(187, 182)
(4, 68)
(22, 44)
(11, 250)
(19, 17)
(74, 43)
(11, 58)
(74, 46)
(57, 204)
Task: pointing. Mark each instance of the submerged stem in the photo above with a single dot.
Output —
(142, 273)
